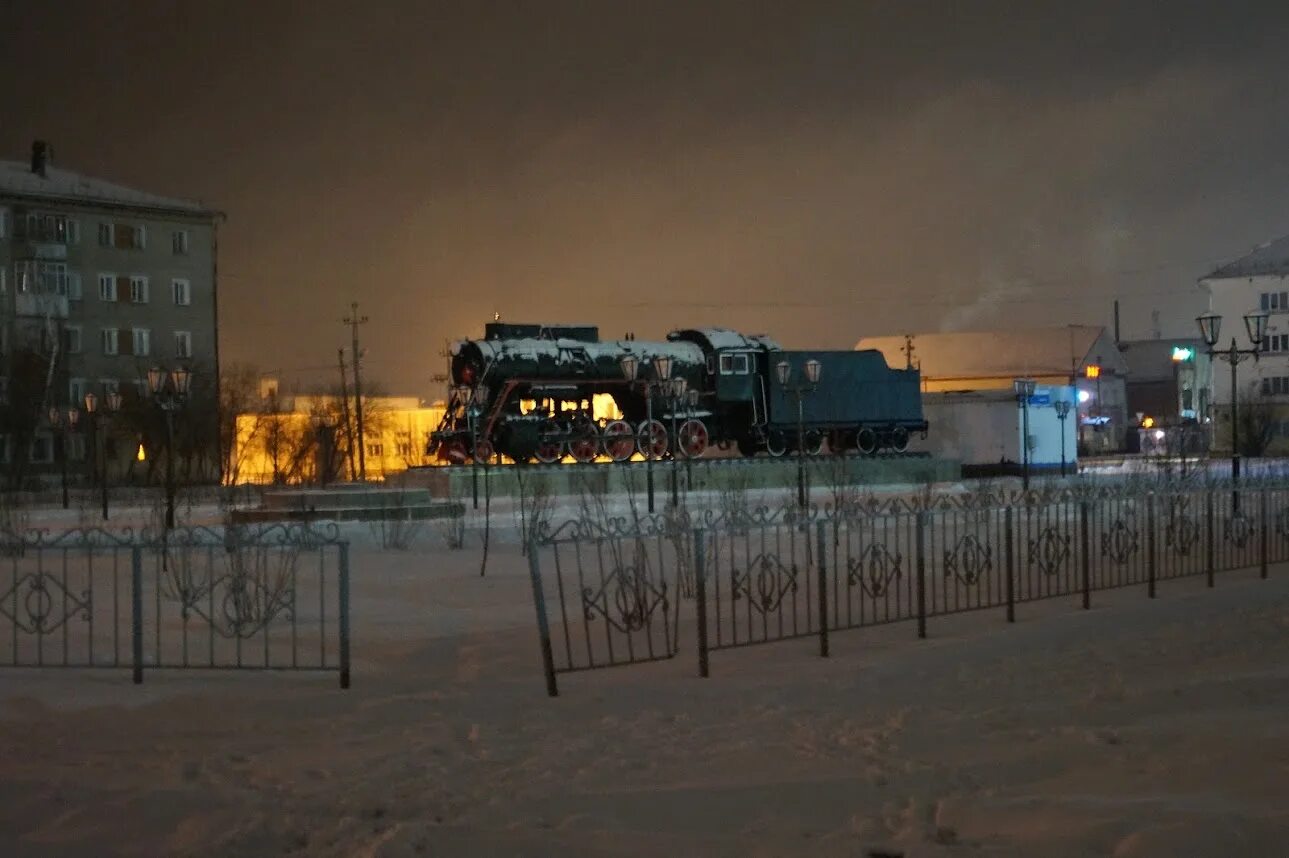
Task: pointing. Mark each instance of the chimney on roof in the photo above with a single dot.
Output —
(41, 152)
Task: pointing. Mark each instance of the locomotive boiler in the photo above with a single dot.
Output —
(530, 392)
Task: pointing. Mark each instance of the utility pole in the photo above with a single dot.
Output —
(353, 321)
(344, 410)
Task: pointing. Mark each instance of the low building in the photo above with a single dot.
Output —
(985, 430)
(1084, 357)
(313, 439)
(1169, 386)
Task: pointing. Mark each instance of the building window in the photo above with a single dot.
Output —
(1275, 302)
(183, 344)
(142, 342)
(72, 340)
(375, 449)
(123, 236)
(181, 292)
(110, 341)
(1275, 343)
(109, 385)
(76, 447)
(1276, 385)
(179, 242)
(47, 278)
(42, 226)
(138, 290)
(107, 287)
(76, 392)
(74, 286)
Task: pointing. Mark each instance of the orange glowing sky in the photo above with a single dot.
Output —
(818, 172)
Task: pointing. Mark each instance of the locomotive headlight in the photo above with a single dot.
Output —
(630, 366)
(662, 366)
(813, 368)
(784, 370)
(678, 386)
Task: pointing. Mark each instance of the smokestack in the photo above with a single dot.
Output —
(41, 153)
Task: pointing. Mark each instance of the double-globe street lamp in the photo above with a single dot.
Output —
(1062, 407)
(1210, 328)
(647, 436)
(169, 392)
(813, 368)
(61, 427)
(98, 421)
(1024, 388)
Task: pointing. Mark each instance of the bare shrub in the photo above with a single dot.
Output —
(536, 504)
(396, 529)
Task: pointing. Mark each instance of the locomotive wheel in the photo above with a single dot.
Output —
(814, 443)
(839, 441)
(899, 439)
(866, 441)
(587, 446)
(693, 439)
(748, 447)
(618, 440)
(484, 451)
(775, 444)
(652, 436)
(454, 451)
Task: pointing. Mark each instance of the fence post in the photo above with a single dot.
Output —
(543, 626)
(344, 614)
(136, 611)
(1086, 560)
(1009, 546)
(1150, 545)
(822, 565)
(700, 587)
(1262, 560)
(921, 567)
(1212, 545)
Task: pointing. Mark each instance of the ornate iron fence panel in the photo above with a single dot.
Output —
(966, 562)
(607, 601)
(761, 583)
(1117, 541)
(1048, 550)
(872, 569)
(267, 597)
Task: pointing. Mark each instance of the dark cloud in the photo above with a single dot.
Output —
(818, 172)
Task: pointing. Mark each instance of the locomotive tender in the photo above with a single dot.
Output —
(527, 391)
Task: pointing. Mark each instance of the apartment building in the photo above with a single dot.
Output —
(98, 283)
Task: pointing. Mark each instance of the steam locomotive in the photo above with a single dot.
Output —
(529, 392)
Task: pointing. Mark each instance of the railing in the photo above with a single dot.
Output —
(760, 575)
(268, 598)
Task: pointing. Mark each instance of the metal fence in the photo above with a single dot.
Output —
(268, 598)
(615, 588)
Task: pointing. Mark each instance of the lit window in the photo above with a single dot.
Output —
(181, 292)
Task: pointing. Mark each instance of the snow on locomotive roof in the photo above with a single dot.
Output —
(724, 338)
(530, 348)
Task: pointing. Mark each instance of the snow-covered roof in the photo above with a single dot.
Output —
(1012, 353)
(724, 338)
(17, 178)
(1271, 258)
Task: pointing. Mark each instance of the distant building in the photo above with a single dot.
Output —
(1081, 356)
(1169, 387)
(98, 283)
(1254, 282)
(306, 439)
(985, 431)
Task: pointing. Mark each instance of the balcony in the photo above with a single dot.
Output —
(40, 305)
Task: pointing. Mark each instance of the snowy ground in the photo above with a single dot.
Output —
(1138, 728)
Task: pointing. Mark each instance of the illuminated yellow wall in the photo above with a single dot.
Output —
(396, 430)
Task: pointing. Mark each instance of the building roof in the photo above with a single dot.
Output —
(17, 178)
(1000, 354)
(1269, 259)
(1152, 360)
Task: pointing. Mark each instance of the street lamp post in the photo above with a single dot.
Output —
(98, 435)
(784, 371)
(1024, 388)
(61, 428)
(169, 393)
(630, 366)
(691, 398)
(1210, 327)
(676, 389)
(1062, 411)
